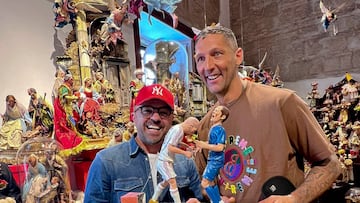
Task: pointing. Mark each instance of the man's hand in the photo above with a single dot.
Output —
(228, 199)
(225, 199)
(193, 200)
(279, 199)
(199, 144)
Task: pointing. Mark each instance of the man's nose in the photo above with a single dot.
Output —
(156, 116)
(209, 62)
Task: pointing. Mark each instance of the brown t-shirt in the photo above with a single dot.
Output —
(266, 127)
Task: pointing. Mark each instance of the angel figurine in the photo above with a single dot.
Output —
(66, 10)
(135, 7)
(329, 16)
(168, 6)
(111, 29)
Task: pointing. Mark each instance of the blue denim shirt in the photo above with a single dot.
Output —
(125, 168)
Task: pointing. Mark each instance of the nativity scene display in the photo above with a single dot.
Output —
(95, 83)
(338, 112)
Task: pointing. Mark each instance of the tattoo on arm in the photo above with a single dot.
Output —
(318, 180)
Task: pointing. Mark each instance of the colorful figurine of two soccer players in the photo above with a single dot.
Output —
(166, 158)
(216, 146)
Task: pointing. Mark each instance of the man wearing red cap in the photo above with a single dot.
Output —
(130, 166)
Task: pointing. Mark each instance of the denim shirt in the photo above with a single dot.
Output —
(125, 168)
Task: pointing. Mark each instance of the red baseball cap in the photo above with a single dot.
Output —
(155, 91)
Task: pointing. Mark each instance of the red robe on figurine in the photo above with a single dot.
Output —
(64, 119)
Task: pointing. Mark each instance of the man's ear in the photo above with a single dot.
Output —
(239, 56)
(223, 117)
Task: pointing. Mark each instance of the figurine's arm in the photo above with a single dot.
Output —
(184, 145)
(212, 147)
(177, 150)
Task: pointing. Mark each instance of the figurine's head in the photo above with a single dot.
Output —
(220, 114)
(59, 73)
(99, 75)
(314, 85)
(176, 75)
(55, 180)
(130, 126)
(118, 15)
(32, 93)
(166, 82)
(10, 100)
(68, 78)
(118, 134)
(138, 73)
(88, 82)
(190, 125)
(32, 160)
(356, 126)
(341, 151)
(89, 115)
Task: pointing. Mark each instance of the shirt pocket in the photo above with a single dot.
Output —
(128, 184)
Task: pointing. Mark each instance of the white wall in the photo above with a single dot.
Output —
(26, 44)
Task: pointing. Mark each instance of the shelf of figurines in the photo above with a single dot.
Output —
(40, 145)
(60, 145)
(39, 161)
(338, 113)
(72, 139)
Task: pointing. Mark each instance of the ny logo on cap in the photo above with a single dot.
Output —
(157, 90)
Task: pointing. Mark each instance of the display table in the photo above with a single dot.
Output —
(80, 165)
(81, 170)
